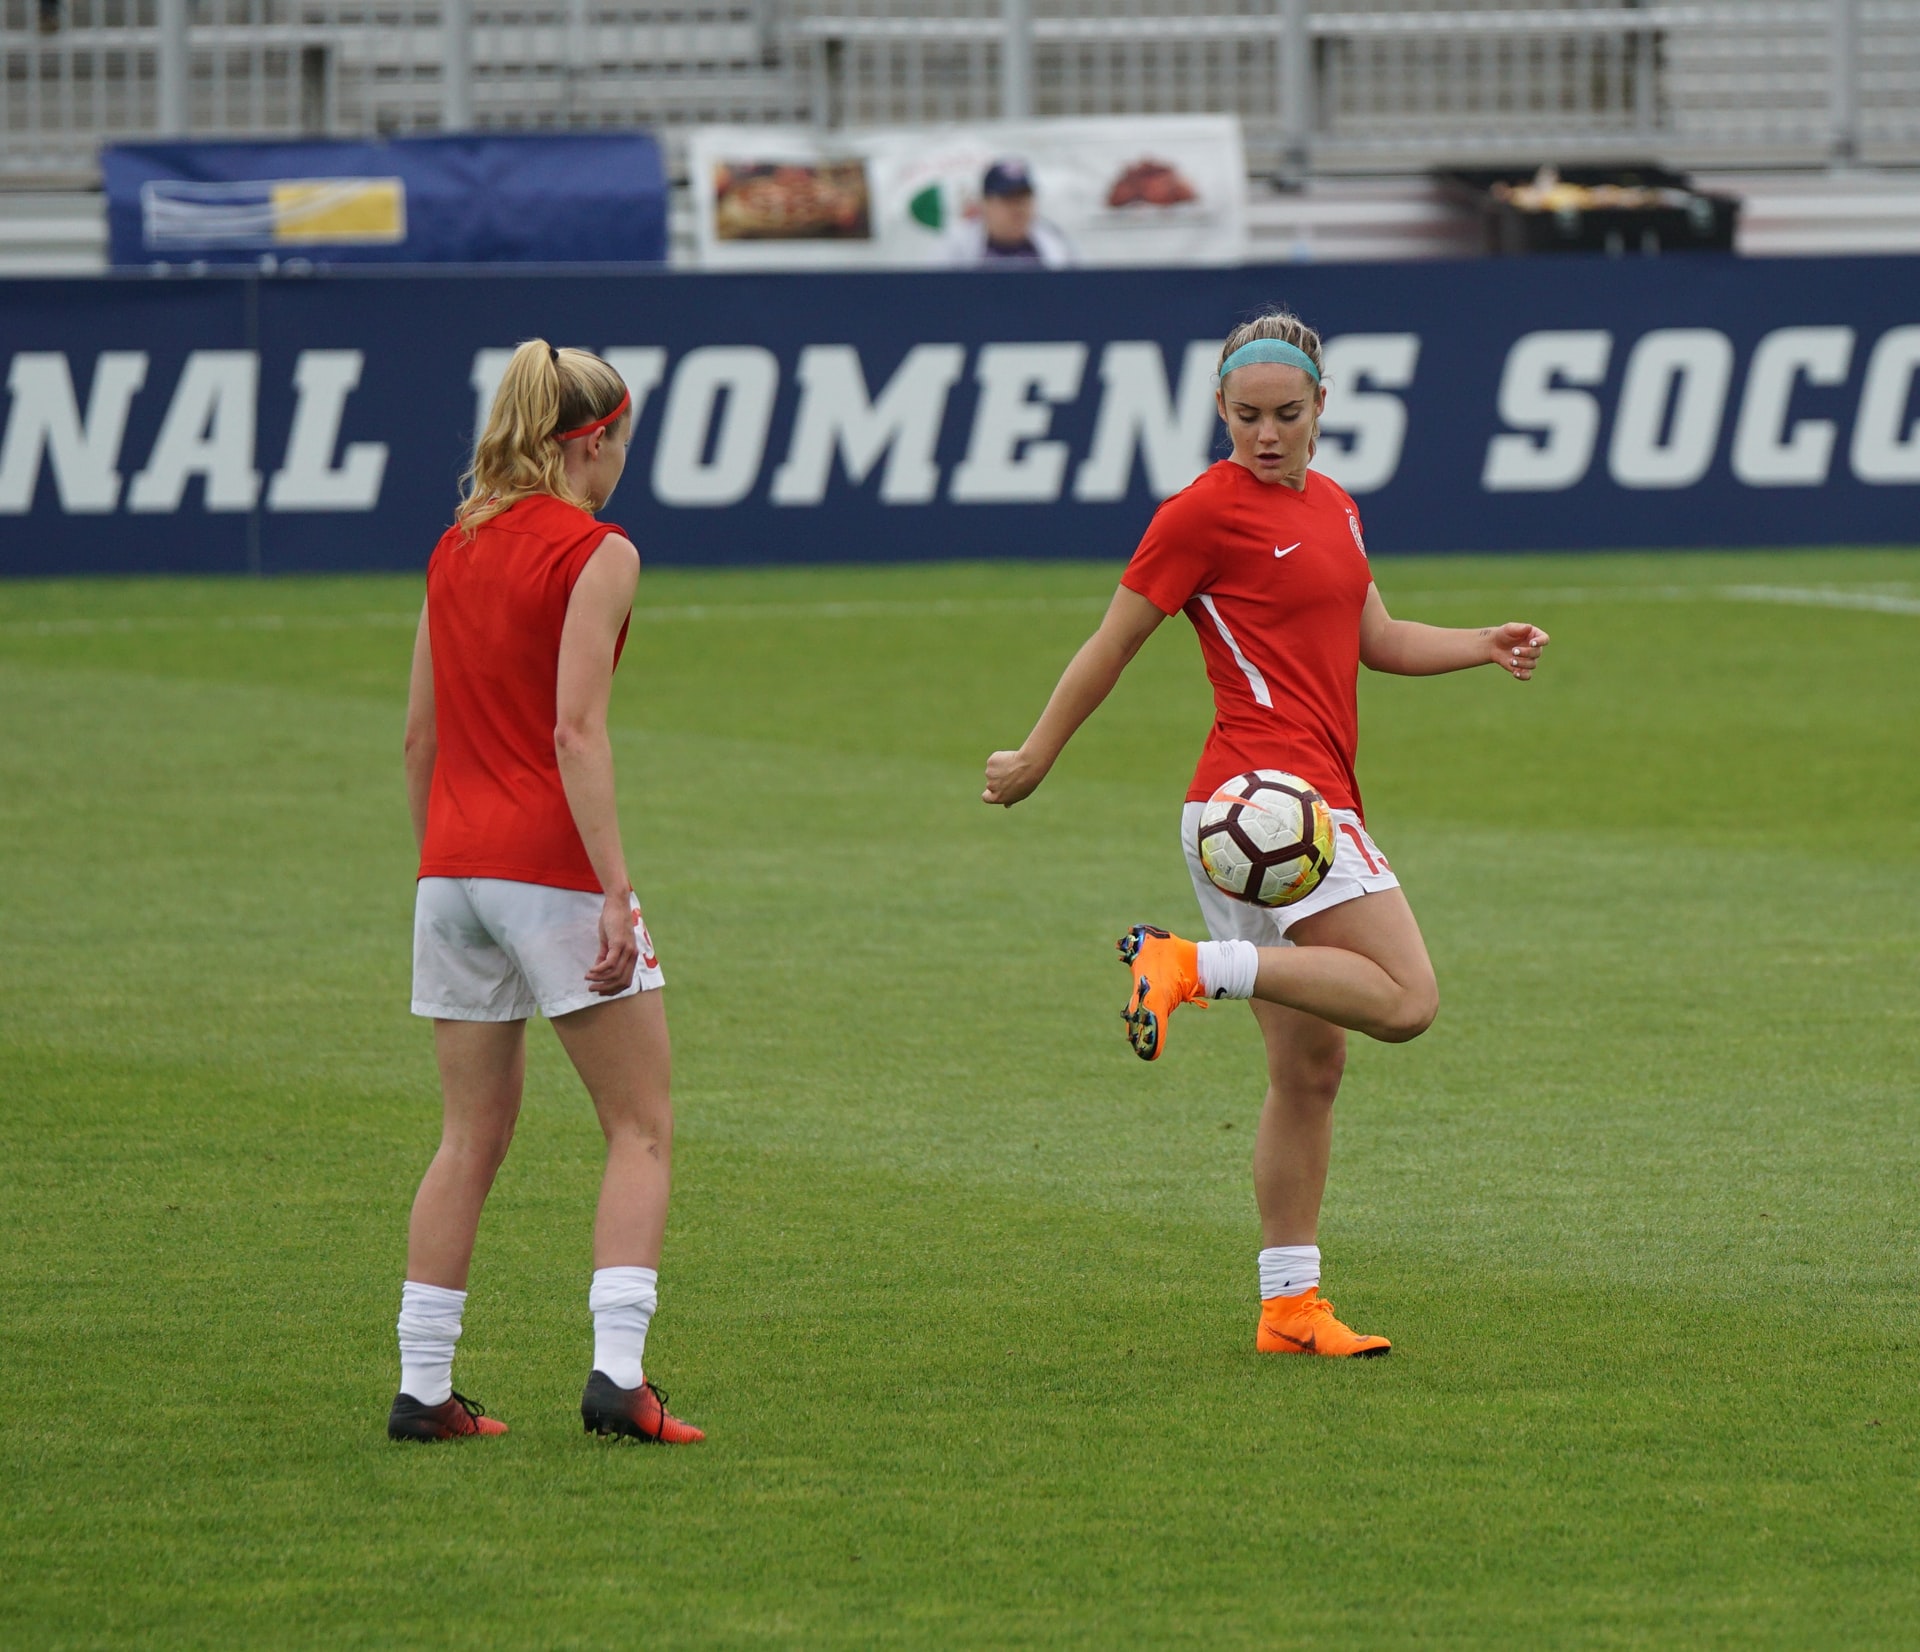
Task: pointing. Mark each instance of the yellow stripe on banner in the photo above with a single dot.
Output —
(340, 211)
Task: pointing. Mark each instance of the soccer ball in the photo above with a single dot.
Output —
(1266, 837)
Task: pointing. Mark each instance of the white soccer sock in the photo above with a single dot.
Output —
(1227, 968)
(622, 1300)
(1287, 1270)
(429, 1329)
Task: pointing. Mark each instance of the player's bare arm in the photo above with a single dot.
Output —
(601, 601)
(1088, 680)
(422, 743)
(1406, 648)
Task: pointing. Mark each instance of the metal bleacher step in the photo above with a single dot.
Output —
(1861, 211)
(60, 232)
(1783, 214)
(1349, 220)
(52, 232)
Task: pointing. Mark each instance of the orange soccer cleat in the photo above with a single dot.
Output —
(452, 1419)
(1166, 974)
(1305, 1324)
(638, 1413)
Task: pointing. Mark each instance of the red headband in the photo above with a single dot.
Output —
(600, 423)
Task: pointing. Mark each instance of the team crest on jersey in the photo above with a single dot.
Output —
(1353, 525)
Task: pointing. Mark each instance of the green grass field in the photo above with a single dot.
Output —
(962, 1291)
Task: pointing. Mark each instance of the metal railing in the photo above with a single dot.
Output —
(74, 73)
(1382, 84)
(1335, 85)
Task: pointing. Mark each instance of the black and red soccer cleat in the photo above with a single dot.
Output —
(637, 1413)
(454, 1419)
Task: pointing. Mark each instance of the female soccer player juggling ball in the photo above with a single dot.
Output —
(1266, 558)
(524, 903)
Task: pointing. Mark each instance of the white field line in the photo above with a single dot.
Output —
(1879, 599)
(938, 608)
(202, 622)
(1877, 602)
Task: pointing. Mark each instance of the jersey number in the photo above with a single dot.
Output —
(1360, 843)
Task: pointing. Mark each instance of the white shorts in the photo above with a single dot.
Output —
(1358, 869)
(486, 949)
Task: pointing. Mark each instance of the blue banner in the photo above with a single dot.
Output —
(510, 198)
(288, 424)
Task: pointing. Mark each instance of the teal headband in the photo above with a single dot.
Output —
(1270, 350)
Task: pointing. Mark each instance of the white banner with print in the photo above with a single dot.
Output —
(1149, 190)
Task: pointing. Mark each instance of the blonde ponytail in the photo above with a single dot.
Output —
(543, 392)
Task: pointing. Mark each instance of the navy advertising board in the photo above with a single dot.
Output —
(239, 423)
(469, 198)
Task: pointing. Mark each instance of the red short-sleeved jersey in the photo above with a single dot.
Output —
(496, 603)
(1274, 581)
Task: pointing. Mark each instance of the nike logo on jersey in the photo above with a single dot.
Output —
(1293, 547)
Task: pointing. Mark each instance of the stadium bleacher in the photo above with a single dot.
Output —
(52, 232)
(1808, 109)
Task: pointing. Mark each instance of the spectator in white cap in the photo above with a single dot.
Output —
(1008, 233)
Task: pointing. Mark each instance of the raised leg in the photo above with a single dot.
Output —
(1361, 964)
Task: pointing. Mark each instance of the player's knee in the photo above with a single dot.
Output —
(1310, 1078)
(1411, 1015)
(649, 1130)
(1304, 1076)
(480, 1150)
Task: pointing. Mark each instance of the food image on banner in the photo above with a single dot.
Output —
(1151, 184)
(785, 200)
(1163, 190)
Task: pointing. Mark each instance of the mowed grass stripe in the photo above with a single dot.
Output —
(1793, 596)
(963, 1289)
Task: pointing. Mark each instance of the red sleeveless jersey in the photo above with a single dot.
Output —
(496, 603)
(1274, 581)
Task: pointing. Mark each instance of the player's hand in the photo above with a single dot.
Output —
(1515, 647)
(1011, 775)
(612, 971)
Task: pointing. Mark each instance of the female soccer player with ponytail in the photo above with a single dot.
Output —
(1266, 559)
(524, 903)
